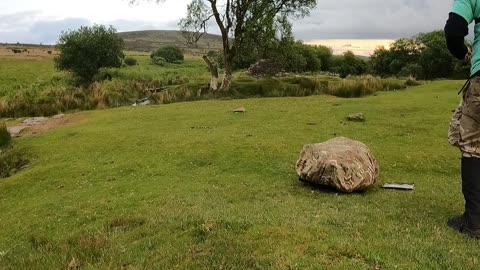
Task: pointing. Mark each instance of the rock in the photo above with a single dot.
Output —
(58, 116)
(34, 121)
(341, 163)
(356, 117)
(142, 102)
(240, 110)
(16, 130)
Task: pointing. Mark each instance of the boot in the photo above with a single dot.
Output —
(457, 223)
(471, 191)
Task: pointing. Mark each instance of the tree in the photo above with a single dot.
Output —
(380, 61)
(435, 59)
(171, 54)
(236, 18)
(194, 26)
(423, 56)
(85, 51)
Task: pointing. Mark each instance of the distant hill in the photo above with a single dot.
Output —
(150, 40)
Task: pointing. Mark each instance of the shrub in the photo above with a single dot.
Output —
(49, 52)
(85, 51)
(411, 81)
(160, 61)
(265, 68)
(5, 137)
(11, 161)
(217, 57)
(130, 61)
(171, 54)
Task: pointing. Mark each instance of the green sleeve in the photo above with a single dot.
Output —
(464, 8)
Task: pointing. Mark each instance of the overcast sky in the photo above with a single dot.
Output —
(35, 21)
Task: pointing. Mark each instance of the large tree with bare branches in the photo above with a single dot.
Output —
(236, 18)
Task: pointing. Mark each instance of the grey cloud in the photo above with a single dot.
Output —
(48, 31)
(28, 27)
(339, 19)
(372, 19)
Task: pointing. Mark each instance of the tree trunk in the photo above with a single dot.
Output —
(227, 76)
(214, 71)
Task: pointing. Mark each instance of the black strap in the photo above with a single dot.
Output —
(465, 87)
(477, 20)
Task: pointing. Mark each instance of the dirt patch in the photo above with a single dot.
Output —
(36, 125)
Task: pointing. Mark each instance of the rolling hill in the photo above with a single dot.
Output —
(153, 39)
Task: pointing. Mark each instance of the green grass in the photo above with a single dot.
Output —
(21, 73)
(192, 70)
(194, 186)
(153, 39)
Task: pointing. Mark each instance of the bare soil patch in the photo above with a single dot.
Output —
(37, 125)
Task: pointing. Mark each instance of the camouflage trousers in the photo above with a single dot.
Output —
(464, 131)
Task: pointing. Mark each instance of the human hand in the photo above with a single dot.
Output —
(468, 56)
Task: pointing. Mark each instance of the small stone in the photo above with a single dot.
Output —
(240, 110)
(356, 117)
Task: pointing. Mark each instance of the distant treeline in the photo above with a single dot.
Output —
(424, 56)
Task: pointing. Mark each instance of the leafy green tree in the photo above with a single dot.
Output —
(237, 18)
(435, 59)
(424, 56)
(194, 26)
(412, 70)
(171, 54)
(85, 51)
(380, 61)
(349, 64)
(324, 53)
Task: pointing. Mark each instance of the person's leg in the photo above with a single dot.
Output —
(471, 192)
(469, 144)
(456, 222)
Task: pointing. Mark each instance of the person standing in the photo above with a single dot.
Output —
(464, 131)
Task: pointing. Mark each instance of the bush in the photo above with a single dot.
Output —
(85, 51)
(265, 68)
(130, 61)
(5, 137)
(160, 61)
(217, 58)
(411, 81)
(11, 161)
(171, 54)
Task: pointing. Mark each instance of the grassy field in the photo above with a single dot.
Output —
(152, 40)
(30, 85)
(194, 186)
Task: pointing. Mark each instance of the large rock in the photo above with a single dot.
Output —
(341, 163)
